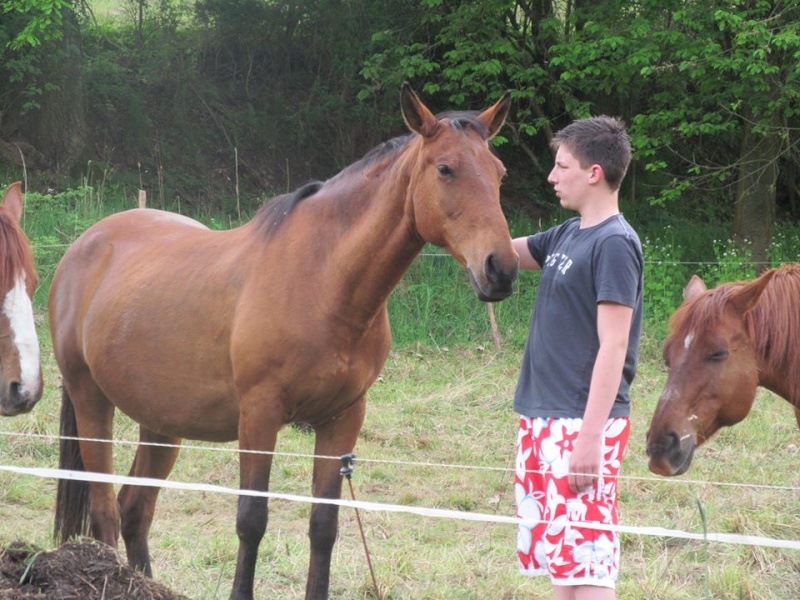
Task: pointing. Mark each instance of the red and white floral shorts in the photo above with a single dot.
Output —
(551, 541)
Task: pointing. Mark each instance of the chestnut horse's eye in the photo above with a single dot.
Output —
(718, 355)
(445, 171)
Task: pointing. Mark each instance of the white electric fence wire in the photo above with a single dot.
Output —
(415, 464)
(728, 538)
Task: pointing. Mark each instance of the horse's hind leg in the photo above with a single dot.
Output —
(335, 438)
(137, 504)
(94, 415)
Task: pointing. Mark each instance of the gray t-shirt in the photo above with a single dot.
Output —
(580, 268)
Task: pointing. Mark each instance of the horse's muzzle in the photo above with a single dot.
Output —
(670, 454)
(15, 401)
(496, 281)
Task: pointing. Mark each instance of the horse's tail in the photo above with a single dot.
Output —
(72, 496)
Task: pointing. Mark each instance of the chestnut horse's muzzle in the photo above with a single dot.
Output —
(669, 453)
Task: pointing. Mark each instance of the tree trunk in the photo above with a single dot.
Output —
(58, 128)
(754, 214)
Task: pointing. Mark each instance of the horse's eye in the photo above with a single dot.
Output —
(718, 355)
(445, 171)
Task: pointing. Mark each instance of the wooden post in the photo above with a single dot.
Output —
(142, 199)
(495, 334)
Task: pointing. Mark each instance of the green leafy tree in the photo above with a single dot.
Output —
(43, 20)
(712, 89)
(43, 106)
(466, 51)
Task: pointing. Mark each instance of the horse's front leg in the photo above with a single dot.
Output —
(137, 504)
(258, 431)
(335, 438)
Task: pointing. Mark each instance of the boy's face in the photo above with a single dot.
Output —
(571, 182)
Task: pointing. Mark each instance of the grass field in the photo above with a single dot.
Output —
(440, 433)
(451, 410)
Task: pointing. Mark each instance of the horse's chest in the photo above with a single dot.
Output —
(339, 375)
(324, 384)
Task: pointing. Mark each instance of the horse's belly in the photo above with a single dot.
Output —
(170, 387)
(200, 410)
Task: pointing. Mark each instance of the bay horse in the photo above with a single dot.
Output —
(721, 345)
(20, 366)
(225, 335)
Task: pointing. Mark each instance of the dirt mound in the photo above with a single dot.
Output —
(80, 570)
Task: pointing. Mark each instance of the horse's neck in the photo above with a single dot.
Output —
(781, 377)
(372, 253)
(350, 243)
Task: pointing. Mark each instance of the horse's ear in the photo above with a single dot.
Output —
(416, 115)
(12, 201)
(695, 287)
(745, 298)
(494, 117)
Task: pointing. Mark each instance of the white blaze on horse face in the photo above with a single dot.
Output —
(18, 309)
(687, 341)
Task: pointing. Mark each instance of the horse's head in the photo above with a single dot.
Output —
(712, 372)
(20, 370)
(454, 194)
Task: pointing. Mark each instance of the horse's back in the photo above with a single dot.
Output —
(109, 258)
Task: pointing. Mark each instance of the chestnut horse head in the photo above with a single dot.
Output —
(20, 371)
(721, 345)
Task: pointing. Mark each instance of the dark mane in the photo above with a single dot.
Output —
(274, 212)
(15, 252)
(270, 216)
(383, 150)
(464, 119)
(460, 120)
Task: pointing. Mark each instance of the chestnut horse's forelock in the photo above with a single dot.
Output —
(773, 324)
(15, 253)
(699, 314)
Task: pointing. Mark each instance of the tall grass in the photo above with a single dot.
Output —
(439, 433)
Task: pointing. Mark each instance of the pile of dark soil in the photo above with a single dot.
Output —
(79, 570)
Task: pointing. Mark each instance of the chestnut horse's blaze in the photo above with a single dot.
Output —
(20, 368)
(225, 335)
(723, 344)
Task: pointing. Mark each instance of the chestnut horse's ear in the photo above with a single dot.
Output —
(12, 201)
(695, 287)
(494, 117)
(747, 295)
(416, 115)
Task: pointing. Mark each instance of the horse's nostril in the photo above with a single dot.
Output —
(673, 441)
(491, 267)
(495, 272)
(15, 390)
(664, 445)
